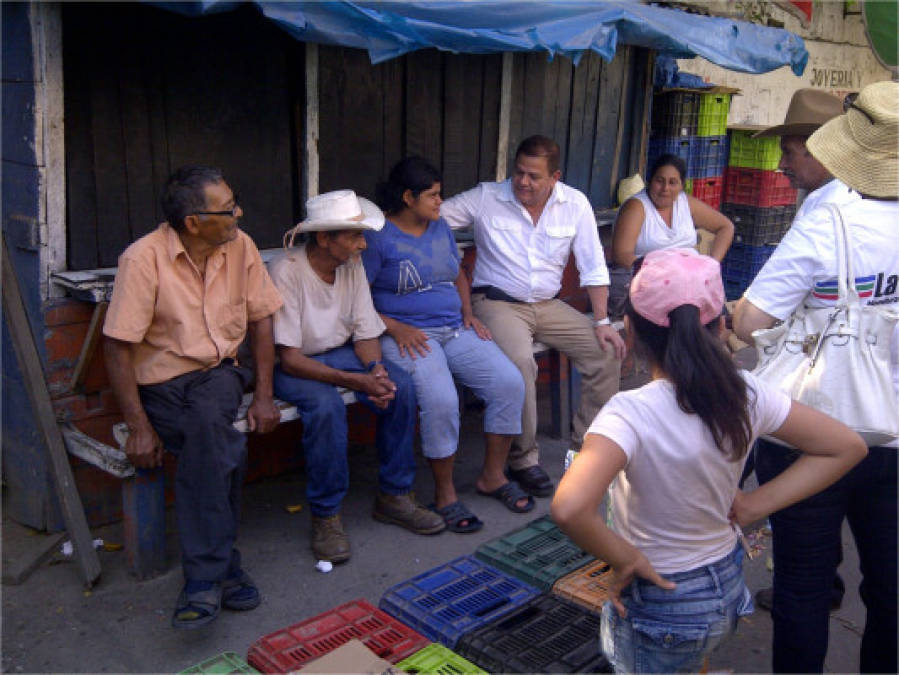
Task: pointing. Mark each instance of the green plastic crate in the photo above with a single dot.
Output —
(688, 186)
(435, 658)
(753, 153)
(538, 553)
(228, 662)
(713, 109)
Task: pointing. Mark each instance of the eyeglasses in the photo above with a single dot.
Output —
(229, 212)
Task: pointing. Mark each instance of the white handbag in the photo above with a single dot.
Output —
(837, 359)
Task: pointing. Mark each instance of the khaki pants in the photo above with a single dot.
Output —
(515, 327)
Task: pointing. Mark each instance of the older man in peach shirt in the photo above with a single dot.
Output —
(185, 297)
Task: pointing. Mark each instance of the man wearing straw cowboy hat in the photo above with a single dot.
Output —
(860, 148)
(808, 110)
(185, 296)
(327, 335)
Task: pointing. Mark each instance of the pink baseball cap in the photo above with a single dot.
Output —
(673, 277)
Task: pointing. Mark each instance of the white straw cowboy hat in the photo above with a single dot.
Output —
(861, 148)
(808, 110)
(337, 210)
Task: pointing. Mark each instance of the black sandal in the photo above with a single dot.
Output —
(510, 494)
(456, 513)
(197, 609)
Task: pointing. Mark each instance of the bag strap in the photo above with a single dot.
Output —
(848, 294)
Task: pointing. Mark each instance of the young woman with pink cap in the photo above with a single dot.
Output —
(675, 450)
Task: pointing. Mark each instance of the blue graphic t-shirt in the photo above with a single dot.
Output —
(413, 278)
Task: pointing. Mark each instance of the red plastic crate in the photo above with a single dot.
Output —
(709, 190)
(291, 648)
(757, 187)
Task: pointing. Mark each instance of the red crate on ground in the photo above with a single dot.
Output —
(291, 648)
(757, 187)
(709, 190)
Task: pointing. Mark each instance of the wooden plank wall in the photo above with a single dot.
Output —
(441, 106)
(147, 91)
(594, 111)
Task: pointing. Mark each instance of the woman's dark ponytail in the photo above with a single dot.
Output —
(706, 381)
(412, 173)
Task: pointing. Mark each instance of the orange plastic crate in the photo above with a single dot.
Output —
(588, 586)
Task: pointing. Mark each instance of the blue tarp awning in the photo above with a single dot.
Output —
(568, 27)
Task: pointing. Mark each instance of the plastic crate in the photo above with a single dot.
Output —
(753, 153)
(675, 113)
(708, 157)
(290, 648)
(452, 599)
(538, 553)
(548, 635)
(588, 586)
(709, 190)
(682, 147)
(757, 187)
(435, 658)
(759, 225)
(227, 662)
(712, 118)
(688, 186)
(740, 266)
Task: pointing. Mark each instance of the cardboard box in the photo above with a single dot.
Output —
(352, 657)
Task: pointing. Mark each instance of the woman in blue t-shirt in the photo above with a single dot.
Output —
(423, 297)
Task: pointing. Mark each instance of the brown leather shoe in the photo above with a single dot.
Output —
(404, 511)
(329, 541)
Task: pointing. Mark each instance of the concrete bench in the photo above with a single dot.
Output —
(143, 490)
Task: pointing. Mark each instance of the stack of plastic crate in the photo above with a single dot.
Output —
(760, 202)
(675, 116)
(710, 149)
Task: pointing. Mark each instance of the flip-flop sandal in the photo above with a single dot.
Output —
(456, 513)
(509, 494)
(197, 609)
(239, 593)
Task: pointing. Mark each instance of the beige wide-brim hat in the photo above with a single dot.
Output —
(861, 148)
(337, 210)
(808, 110)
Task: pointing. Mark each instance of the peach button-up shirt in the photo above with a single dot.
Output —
(176, 320)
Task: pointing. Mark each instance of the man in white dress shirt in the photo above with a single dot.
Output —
(525, 228)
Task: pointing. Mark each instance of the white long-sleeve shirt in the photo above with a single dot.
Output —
(523, 259)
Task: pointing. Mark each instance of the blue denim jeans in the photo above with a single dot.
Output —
(671, 631)
(477, 364)
(807, 551)
(325, 431)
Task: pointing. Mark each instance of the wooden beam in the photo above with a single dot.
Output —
(89, 346)
(505, 107)
(310, 149)
(36, 386)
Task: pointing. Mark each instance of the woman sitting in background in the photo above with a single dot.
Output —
(423, 297)
(664, 216)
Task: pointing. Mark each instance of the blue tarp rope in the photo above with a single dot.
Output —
(390, 29)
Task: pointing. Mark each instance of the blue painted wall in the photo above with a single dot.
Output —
(25, 468)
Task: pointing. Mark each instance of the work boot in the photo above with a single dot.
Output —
(404, 511)
(329, 541)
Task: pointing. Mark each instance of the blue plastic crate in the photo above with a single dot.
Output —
(740, 266)
(708, 158)
(451, 600)
(681, 146)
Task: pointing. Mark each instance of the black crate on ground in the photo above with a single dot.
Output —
(759, 225)
(740, 265)
(547, 635)
(538, 553)
(675, 113)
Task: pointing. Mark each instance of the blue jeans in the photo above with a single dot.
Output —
(807, 551)
(325, 431)
(477, 364)
(671, 631)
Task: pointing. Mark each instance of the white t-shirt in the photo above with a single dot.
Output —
(317, 316)
(803, 267)
(834, 191)
(672, 499)
(655, 233)
(523, 258)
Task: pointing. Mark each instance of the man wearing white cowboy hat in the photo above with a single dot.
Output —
(860, 149)
(327, 336)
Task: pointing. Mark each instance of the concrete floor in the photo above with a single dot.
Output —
(50, 624)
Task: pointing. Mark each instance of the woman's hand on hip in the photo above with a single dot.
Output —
(639, 566)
